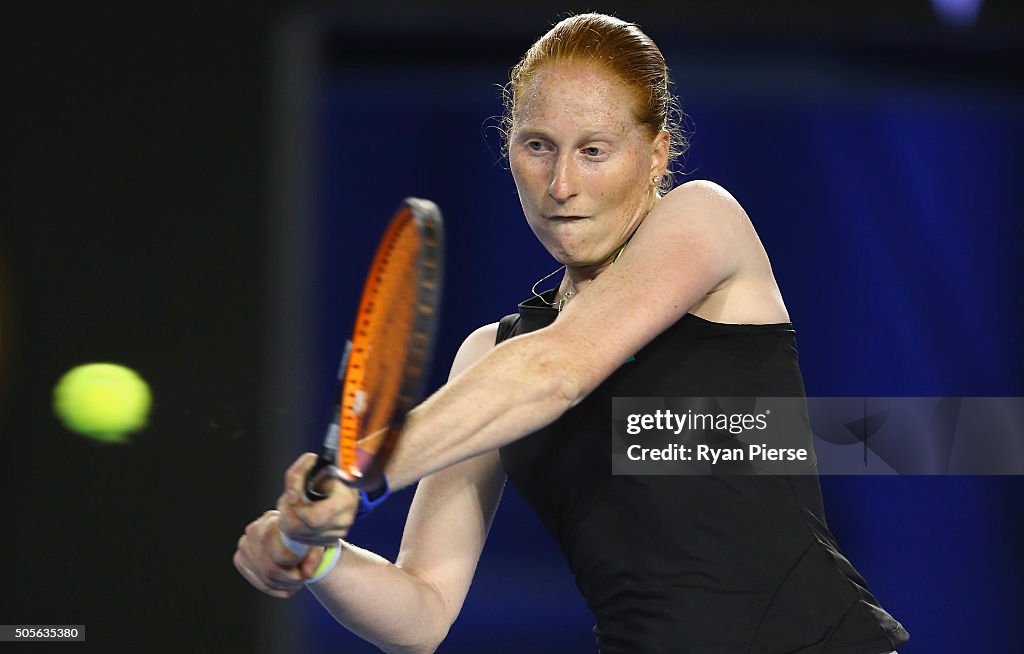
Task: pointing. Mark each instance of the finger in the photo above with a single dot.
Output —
(254, 562)
(338, 509)
(257, 583)
(332, 486)
(288, 521)
(261, 550)
(284, 578)
(264, 537)
(295, 477)
(315, 532)
(328, 485)
(269, 574)
(309, 564)
(307, 523)
(279, 552)
(319, 523)
(254, 528)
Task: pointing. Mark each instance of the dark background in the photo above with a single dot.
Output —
(191, 188)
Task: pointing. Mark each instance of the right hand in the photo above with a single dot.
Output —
(315, 523)
(267, 564)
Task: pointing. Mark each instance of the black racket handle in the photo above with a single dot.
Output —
(322, 470)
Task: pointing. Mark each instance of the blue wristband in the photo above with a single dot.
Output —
(370, 501)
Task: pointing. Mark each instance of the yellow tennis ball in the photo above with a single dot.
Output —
(104, 401)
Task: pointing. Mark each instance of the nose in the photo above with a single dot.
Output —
(564, 180)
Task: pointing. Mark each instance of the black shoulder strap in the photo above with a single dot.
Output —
(507, 327)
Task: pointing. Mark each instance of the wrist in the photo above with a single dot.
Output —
(332, 554)
(370, 500)
(293, 546)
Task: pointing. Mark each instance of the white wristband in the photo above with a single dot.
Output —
(294, 546)
(327, 563)
(331, 556)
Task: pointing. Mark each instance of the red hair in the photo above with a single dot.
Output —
(618, 48)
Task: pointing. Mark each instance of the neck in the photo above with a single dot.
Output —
(578, 276)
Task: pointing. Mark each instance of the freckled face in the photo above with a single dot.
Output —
(581, 162)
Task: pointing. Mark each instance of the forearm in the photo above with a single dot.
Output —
(514, 390)
(383, 604)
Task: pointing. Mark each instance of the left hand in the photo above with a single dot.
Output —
(315, 523)
(265, 563)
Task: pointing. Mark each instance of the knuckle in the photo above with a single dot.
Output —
(282, 506)
(302, 519)
(287, 524)
(280, 581)
(282, 558)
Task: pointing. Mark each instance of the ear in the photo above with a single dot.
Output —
(659, 154)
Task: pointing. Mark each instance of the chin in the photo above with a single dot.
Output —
(567, 255)
(576, 260)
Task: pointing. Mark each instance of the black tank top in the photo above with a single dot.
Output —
(694, 564)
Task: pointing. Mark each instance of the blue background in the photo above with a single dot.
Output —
(886, 201)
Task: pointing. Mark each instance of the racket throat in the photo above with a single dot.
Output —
(326, 467)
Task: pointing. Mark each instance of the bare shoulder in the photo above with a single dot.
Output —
(699, 233)
(476, 345)
(481, 338)
(706, 203)
(703, 186)
(705, 209)
(699, 223)
(749, 294)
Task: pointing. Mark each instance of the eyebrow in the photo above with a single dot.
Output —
(589, 135)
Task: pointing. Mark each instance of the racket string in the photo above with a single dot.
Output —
(375, 375)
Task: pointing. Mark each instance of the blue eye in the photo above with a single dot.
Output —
(536, 146)
(592, 151)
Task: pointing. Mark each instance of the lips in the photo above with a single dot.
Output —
(567, 218)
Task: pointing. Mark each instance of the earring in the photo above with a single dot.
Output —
(656, 180)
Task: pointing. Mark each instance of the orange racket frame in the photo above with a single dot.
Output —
(382, 372)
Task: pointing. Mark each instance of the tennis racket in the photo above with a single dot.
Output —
(382, 370)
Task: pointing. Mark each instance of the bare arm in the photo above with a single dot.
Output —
(695, 239)
(409, 606)
(697, 242)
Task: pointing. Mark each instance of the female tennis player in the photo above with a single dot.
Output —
(676, 284)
